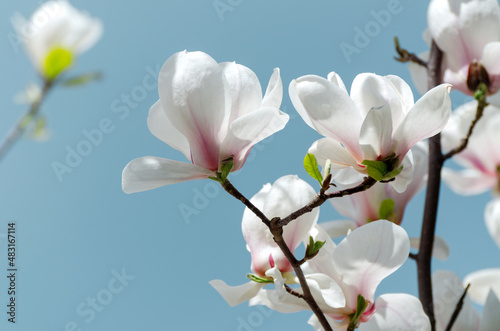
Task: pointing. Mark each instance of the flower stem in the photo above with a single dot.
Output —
(21, 125)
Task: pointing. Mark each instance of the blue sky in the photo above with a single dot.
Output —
(80, 237)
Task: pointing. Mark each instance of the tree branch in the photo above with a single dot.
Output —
(458, 308)
(405, 56)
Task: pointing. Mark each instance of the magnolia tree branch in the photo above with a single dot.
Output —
(21, 125)
(405, 56)
(460, 303)
(427, 235)
(276, 225)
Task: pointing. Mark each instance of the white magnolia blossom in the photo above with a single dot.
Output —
(468, 33)
(481, 158)
(209, 111)
(56, 26)
(447, 290)
(339, 274)
(285, 196)
(492, 219)
(378, 120)
(482, 282)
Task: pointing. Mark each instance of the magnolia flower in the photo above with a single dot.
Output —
(211, 112)
(55, 35)
(468, 33)
(286, 195)
(377, 122)
(481, 158)
(356, 266)
(447, 290)
(492, 219)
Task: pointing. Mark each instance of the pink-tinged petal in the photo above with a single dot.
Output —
(491, 313)
(328, 109)
(235, 295)
(468, 181)
(447, 290)
(250, 129)
(427, 118)
(274, 91)
(419, 73)
(329, 149)
(456, 77)
(335, 79)
(244, 89)
(149, 172)
(397, 311)
(286, 195)
(161, 127)
(444, 26)
(479, 24)
(482, 282)
(375, 137)
(492, 219)
(440, 250)
(491, 54)
(401, 181)
(368, 255)
(314, 322)
(337, 229)
(195, 96)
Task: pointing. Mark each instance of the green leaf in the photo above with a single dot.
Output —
(82, 79)
(313, 247)
(217, 179)
(360, 309)
(375, 169)
(386, 209)
(311, 166)
(58, 60)
(227, 166)
(258, 279)
(393, 173)
(481, 92)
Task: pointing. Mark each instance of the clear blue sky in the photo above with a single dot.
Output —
(76, 234)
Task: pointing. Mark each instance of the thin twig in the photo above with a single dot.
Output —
(458, 308)
(481, 104)
(405, 56)
(21, 125)
(427, 235)
(292, 292)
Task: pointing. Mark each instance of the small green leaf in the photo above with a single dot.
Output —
(393, 173)
(327, 168)
(58, 60)
(386, 209)
(481, 92)
(258, 279)
(217, 179)
(375, 169)
(227, 166)
(82, 79)
(313, 247)
(311, 166)
(360, 309)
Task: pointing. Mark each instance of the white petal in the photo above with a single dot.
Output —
(274, 91)
(161, 127)
(447, 290)
(250, 129)
(368, 255)
(468, 181)
(419, 73)
(375, 137)
(195, 95)
(481, 282)
(329, 149)
(401, 181)
(397, 311)
(440, 250)
(235, 295)
(491, 313)
(150, 172)
(424, 120)
(337, 229)
(244, 89)
(328, 109)
(492, 219)
(335, 79)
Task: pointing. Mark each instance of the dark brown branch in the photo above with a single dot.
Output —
(427, 235)
(481, 104)
(322, 196)
(405, 56)
(292, 292)
(226, 185)
(458, 308)
(21, 125)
